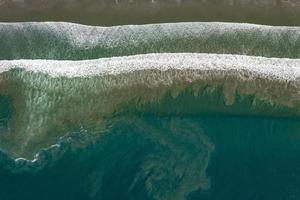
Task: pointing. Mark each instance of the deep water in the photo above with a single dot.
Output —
(151, 157)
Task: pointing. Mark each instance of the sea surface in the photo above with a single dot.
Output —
(160, 111)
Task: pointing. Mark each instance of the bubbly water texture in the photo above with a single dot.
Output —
(204, 124)
(76, 42)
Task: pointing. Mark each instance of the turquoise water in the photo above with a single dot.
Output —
(149, 133)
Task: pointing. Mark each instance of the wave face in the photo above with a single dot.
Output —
(204, 124)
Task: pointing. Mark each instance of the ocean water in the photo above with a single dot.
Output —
(170, 157)
(199, 111)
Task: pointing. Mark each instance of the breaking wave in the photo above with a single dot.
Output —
(159, 125)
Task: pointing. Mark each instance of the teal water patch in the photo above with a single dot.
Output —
(256, 158)
(205, 100)
(64, 41)
(199, 157)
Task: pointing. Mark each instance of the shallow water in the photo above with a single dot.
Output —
(120, 12)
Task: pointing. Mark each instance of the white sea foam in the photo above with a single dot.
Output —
(270, 68)
(83, 36)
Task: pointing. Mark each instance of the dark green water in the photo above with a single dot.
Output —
(146, 155)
